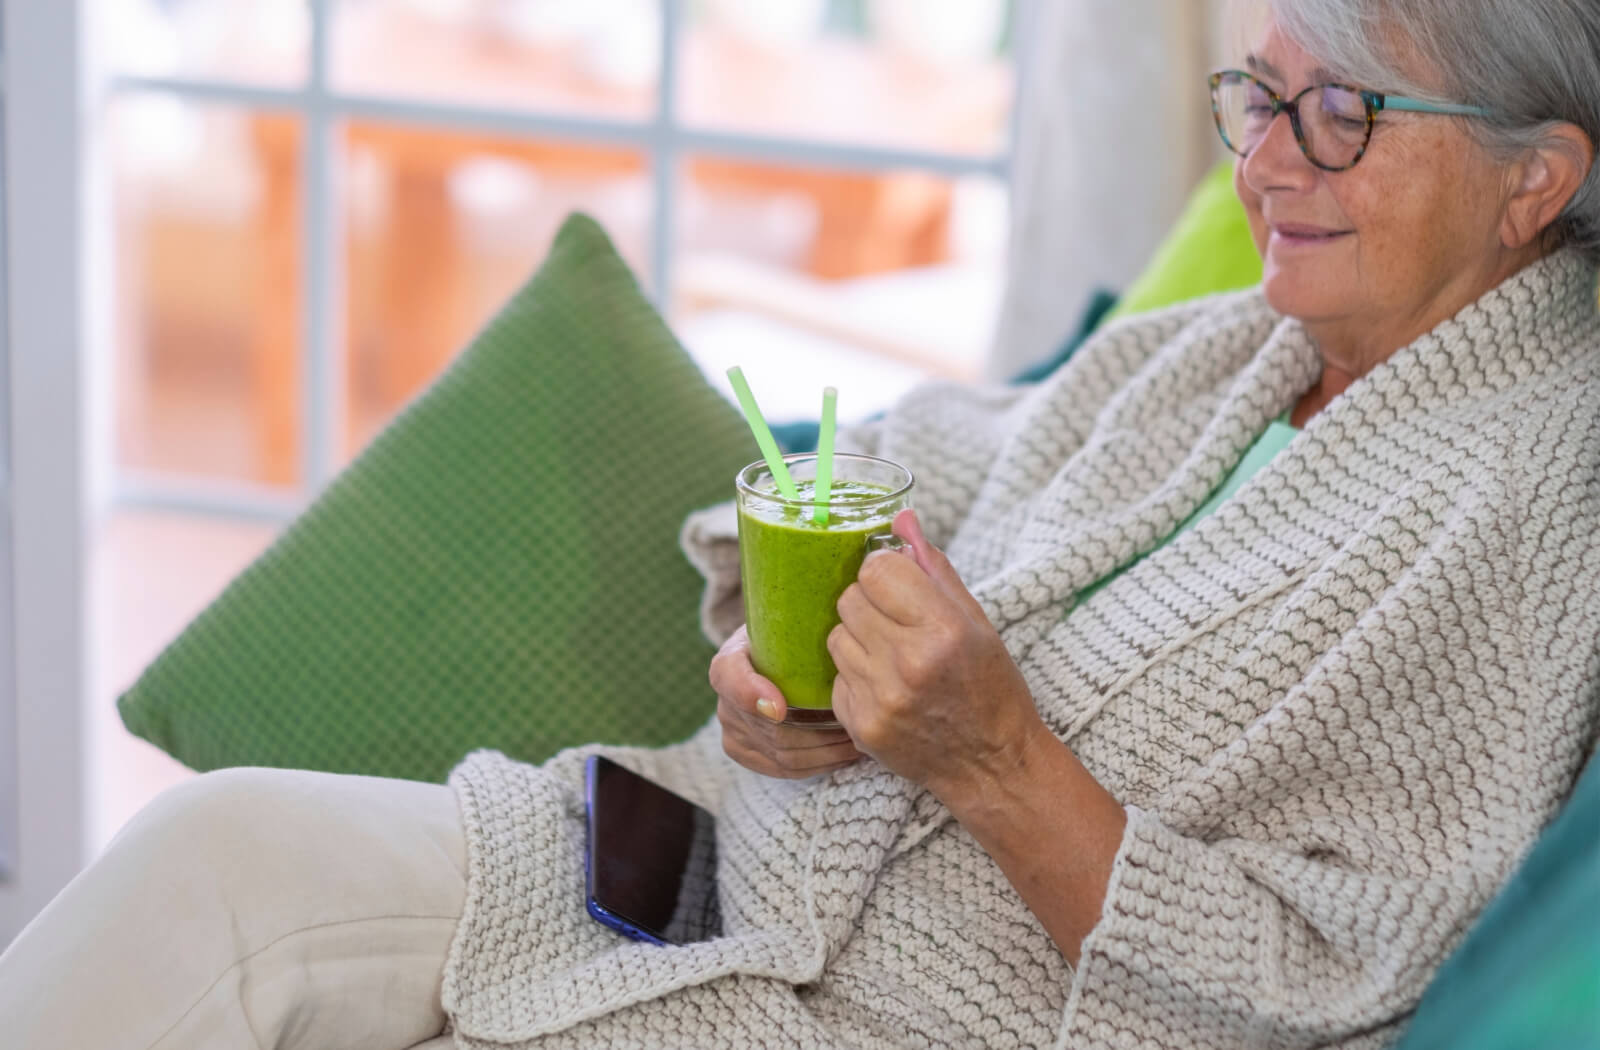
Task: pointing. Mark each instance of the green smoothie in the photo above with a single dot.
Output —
(794, 569)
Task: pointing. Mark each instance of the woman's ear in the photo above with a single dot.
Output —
(1543, 181)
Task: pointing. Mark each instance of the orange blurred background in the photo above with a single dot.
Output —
(438, 224)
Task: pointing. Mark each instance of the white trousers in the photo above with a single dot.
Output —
(251, 909)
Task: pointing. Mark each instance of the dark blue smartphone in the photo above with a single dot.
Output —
(651, 859)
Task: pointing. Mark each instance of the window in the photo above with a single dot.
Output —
(42, 476)
(316, 202)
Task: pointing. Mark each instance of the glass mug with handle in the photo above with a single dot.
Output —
(794, 564)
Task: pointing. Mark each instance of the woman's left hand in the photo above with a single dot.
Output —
(925, 684)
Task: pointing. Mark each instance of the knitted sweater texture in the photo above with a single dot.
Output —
(1337, 711)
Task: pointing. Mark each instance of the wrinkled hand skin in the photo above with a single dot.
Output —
(755, 737)
(925, 683)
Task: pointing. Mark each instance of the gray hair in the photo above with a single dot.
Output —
(1534, 64)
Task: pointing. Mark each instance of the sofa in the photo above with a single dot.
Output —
(463, 584)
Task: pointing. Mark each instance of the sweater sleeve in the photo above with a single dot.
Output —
(1195, 949)
(1329, 929)
(1391, 793)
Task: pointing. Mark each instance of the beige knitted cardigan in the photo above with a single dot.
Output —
(1338, 710)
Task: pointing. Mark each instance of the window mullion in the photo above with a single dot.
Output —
(322, 378)
(1023, 17)
(570, 128)
(664, 156)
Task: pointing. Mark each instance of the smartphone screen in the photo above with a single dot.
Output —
(652, 858)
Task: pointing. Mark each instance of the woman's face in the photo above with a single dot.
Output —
(1379, 252)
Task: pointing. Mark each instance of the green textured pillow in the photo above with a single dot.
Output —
(1209, 249)
(499, 569)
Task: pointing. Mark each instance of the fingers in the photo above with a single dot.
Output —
(932, 561)
(910, 590)
(759, 763)
(849, 654)
(775, 737)
(781, 750)
(734, 677)
(895, 586)
(751, 710)
(843, 705)
(909, 528)
(894, 601)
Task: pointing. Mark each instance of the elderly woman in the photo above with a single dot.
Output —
(1135, 759)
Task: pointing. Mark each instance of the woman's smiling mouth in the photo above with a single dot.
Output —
(1297, 234)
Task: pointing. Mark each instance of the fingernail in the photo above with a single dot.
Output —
(767, 708)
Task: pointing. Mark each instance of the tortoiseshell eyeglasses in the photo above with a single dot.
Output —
(1333, 128)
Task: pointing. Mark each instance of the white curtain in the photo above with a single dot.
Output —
(1114, 128)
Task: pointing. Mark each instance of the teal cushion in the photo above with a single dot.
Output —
(1528, 975)
(498, 569)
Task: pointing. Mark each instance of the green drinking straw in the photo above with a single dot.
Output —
(830, 397)
(763, 433)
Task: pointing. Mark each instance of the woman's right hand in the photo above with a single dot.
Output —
(751, 710)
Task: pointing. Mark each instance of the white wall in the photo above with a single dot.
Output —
(1113, 130)
(44, 99)
(9, 805)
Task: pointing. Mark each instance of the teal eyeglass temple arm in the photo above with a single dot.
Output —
(1412, 105)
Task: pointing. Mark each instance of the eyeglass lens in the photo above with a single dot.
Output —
(1334, 123)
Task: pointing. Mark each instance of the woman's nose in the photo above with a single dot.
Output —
(1277, 161)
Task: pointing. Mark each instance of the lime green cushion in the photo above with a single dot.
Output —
(499, 568)
(1528, 975)
(1208, 250)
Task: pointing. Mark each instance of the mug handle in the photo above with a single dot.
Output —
(887, 541)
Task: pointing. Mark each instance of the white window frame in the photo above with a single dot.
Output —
(55, 452)
(42, 561)
(10, 808)
(662, 138)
